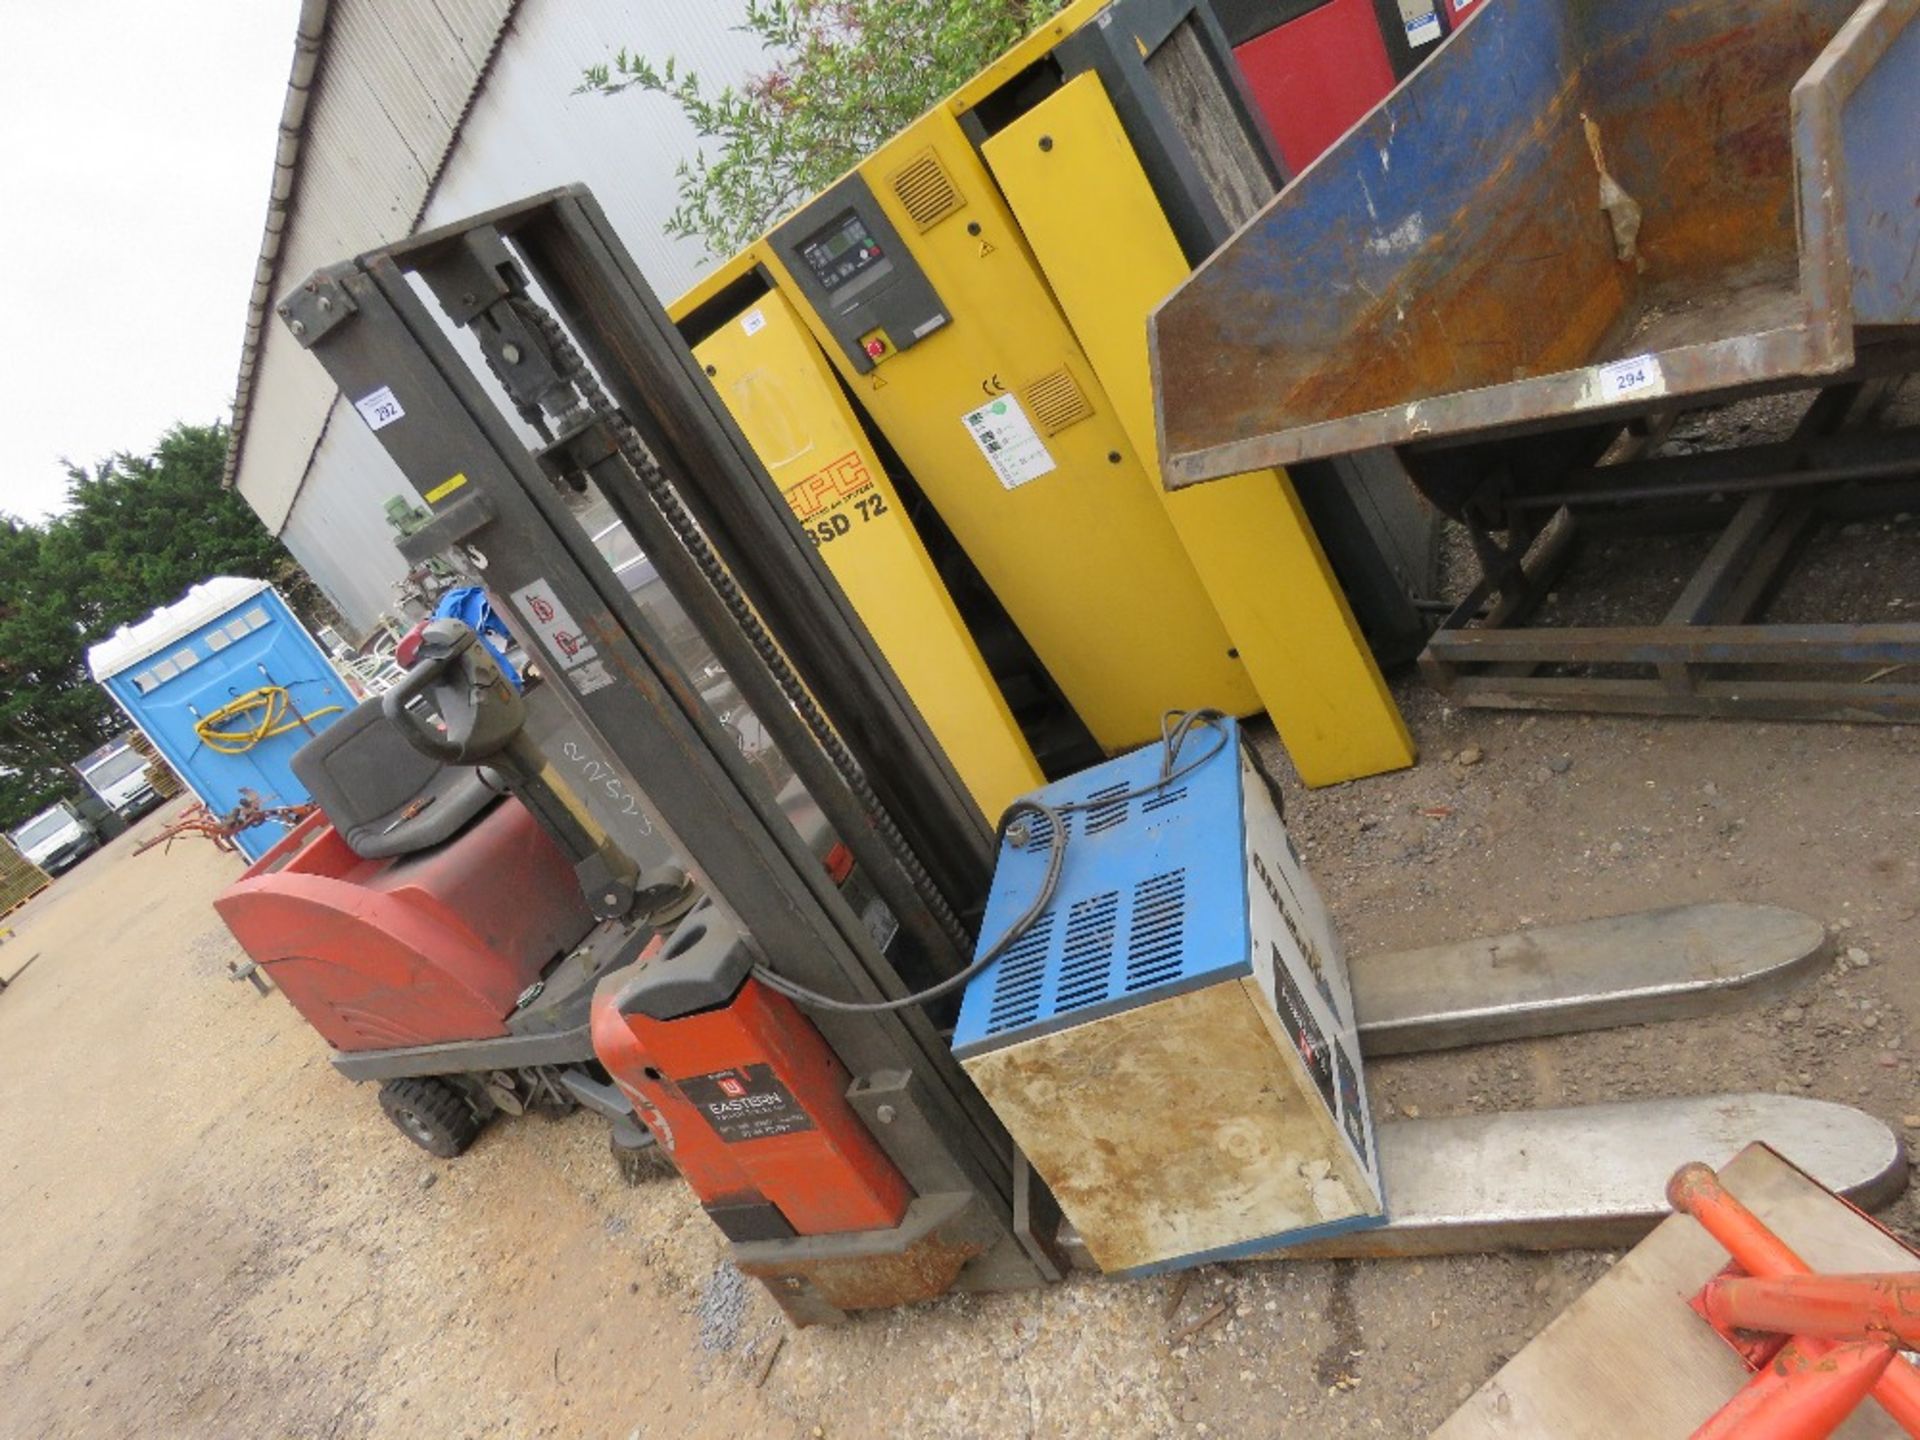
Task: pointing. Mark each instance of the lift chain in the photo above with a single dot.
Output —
(569, 363)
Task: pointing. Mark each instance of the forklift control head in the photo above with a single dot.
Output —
(480, 707)
(408, 650)
(702, 967)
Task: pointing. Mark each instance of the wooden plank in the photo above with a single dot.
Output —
(20, 878)
(1542, 569)
(1718, 575)
(1188, 79)
(1886, 497)
(1881, 644)
(1860, 703)
(1629, 1358)
(1809, 459)
(1767, 569)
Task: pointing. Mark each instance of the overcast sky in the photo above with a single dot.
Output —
(136, 148)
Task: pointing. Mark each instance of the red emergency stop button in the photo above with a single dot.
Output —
(875, 348)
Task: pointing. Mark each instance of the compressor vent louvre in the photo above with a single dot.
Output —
(926, 191)
(1057, 401)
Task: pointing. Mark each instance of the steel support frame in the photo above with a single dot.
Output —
(369, 327)
(629, 343)
(570, 248)
(1766, 499)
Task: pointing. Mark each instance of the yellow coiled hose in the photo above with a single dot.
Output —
(261, 714)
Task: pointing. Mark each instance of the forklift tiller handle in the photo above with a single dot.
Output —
(482, 715)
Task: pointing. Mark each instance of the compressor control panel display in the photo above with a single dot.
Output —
(843, 251)
(857, 273)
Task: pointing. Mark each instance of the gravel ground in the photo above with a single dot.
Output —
(212, 1234)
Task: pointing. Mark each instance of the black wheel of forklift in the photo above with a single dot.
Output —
(432, 1114)
(641, 1163)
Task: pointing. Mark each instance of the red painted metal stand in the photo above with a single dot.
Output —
(220, 829)
(1818, 1344)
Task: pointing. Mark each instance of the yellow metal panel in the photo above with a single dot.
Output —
(1090, 215)
(1082, 556)
(776, 384)
(711, 284)
(1036, 45)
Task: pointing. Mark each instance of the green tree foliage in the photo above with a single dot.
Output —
(848, 76)
(138, 530)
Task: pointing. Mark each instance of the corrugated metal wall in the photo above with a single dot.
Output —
(529, 132)
(395, 78)
(338, 528)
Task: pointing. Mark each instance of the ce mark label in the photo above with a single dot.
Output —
(992, 386)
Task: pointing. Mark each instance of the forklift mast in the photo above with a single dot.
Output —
(600, 389)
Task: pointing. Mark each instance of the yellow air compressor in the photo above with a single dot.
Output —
(981, 286)
(784, 397)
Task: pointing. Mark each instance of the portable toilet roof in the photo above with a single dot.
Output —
(131, 644)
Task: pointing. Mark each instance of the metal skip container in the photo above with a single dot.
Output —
(1573, 212)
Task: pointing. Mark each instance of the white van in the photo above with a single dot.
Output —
(56, 839)
(117, 773)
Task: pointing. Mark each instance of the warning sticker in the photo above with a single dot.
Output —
(1352, 1111)
(880, 923)
(1007, 438)
(563, 639)
(590, 677)
(1288, 908)
(1423, 25)
(445, 488)
(749, 1103)
(1297, 1018)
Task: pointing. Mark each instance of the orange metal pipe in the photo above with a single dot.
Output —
(1835, 1307)
(1801, 1396)
(1695, 1190)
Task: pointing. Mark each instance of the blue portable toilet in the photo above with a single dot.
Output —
(227, 684)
